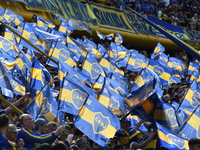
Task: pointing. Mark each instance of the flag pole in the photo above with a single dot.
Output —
(11, 105)
(31, 44)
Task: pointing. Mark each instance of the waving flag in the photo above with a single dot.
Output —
(102, 37)
(42, 24)
(99, 123)
(118, 39)
(176, 65)
(193, 67)
(171, 140)
(66, 27)
(157, 51)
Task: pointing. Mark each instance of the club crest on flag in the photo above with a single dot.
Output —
(163, 58)
(46, 107)
(95, 70)
(78, 98)
(195, 99)
(33, 38)
(158, 70)
(175, 65)
(13, 83)
(138, 63)
(63, 55)
(114, 104)
(100, 122)
(11, 18)
(176, 141)
(172, 121)
(6, 45)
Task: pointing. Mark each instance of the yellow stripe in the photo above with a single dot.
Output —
(37, 74)
(104, 63)
(189, 95)
(66, 95)
(191, 68)
(164, 75)
(62, 29)
(20, 89)
(97, 87)
(139, 81)
(137, 132)
(104, 100)
(40, 24)
(88, 116)
(61, 75)
(122, 54)
(6, 17)
(17, 22)
(10, 66)
(151, 144)
(26, 34)
(132, 62)
(36, 137)
(194, 122)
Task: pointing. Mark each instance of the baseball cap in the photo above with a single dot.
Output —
(39, 121)
(13, 128)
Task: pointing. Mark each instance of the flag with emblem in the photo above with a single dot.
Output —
(92, 68)
(112, 100)
(165, 115)
(66, 27)
(63, 54)
(164, 72)
(73, 94)
(8, 47)
(176, 65)
(192, 97)
(99, 123)
(44, 105)
(157, 51)
(118, 39)
(193, 67)
(136, 62)
(18, 87)
(42, 24)
(171, 140)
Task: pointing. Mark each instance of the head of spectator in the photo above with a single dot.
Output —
(107, 45)
(4, 123)
(59, 145)
(176, 55)
(93, 144)
(74, 147)
(126, 125)
(12, 132)
(77, 134)
(41, 125)
(119, 147)
(63, 136)
(27, 121)
(82, 143)
(194, 144)
(178, 90)
(51, 126)
(173, 85)
(57, 86)
(2, 104)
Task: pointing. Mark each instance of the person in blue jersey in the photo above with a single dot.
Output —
(194, 144)
(4, 144)
(126, 133)
(31, 137)
(149, 8)
(63, 136)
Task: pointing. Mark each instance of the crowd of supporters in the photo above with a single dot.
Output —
(185, 13)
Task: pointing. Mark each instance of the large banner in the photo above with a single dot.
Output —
(107, 18)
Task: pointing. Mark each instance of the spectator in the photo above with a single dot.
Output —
(186, 6)
(159, 14)
(194, 20)
(77, 134)
(82, 143)
(59, 145)
(63, 136)
(41, 125)
(51, 126)
(194, 7)
(119, 147)
(182, 17)
(12, 136)
(45, 146)
(31, 137)
(194, 144)
(149, 8)
(4, 144)
(175, 19)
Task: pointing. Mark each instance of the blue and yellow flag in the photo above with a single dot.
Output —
(193, 67)
(171, 140)
(102, 36)
(174, 79)
(39, 77)
(136, 62)
(136, 96)
(9, 35)
(64, 68)
(11, 17)
(78, 52)
(42, 24)
(112, 100)
(192, 97)
(176, 65)
(18, 88)
(162, 71)
(134, 120)
(31, 34)
(66, 27)
(99, 83)
(157, 51)
(165, 115)
(191, 127)
(73, 94)
(1, 13)
(8, 47)
(6, 87)
(44, 106)
(30, 54)
(194, 76)
(99, 123)
(63, 54)
(118, 39)
(92, 68)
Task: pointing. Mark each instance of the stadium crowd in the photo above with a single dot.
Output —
(23, 132)
(185, 13)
